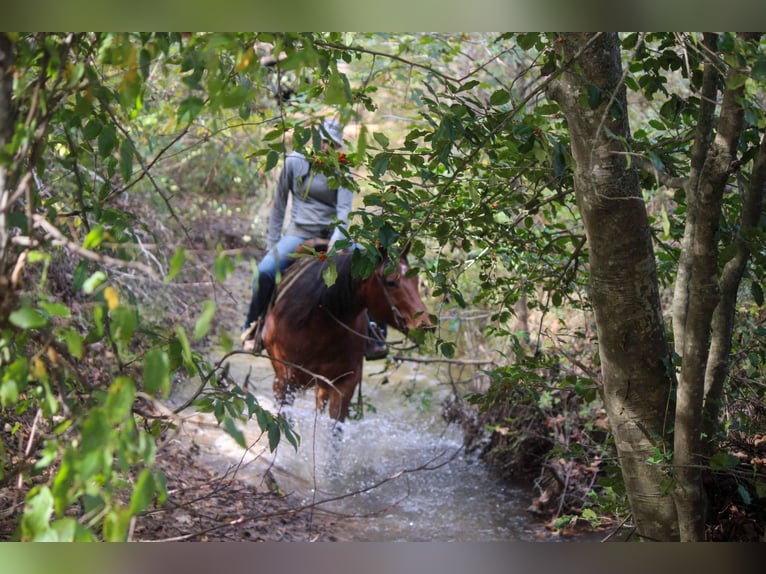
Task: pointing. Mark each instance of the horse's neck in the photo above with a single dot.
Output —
(344, 299)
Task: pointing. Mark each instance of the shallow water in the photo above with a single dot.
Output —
(398, 473)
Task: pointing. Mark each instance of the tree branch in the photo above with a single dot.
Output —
(60, 239)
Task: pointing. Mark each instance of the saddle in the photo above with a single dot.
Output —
(252, 340)
(251, 337)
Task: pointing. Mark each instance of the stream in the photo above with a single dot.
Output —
(397, 474)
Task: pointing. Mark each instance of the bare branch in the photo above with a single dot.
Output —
(60, 239)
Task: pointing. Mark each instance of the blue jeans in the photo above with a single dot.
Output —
(263, 284)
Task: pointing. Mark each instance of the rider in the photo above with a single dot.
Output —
(315, 206)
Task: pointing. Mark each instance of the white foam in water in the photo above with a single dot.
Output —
(400, 472)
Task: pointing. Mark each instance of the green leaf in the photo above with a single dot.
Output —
(723, 461)
(235, 97)
(65, 529)
(28, 318)
(563, 521)
(758, 69)
(55, 309)
(231, 429)
(387, 235)
(381, 139)
(499, 97)
(734, 81)
(9, 393)
(107, 140)
(589, 514)
(126, 160)
(202, 326)
(123, 323)
(272, 159)
(189, 109)
(176, 262)
(92, 129)
(744, 494)
(157, 372)
(94, 237)
(594, 96)
(527, 40)
(361, 141)
(73, 342)
(380, 164)
(116, 525)
(223, 267)
(757, 292)
(335, 93)
(161, 487)
(92, 282)
(274, 436)
(559, 159)
(185, 349)
(143, 492)
(726, 42)
(119, 400)
(291, 437)
(37, 514)
(330, 274)
(96, 432)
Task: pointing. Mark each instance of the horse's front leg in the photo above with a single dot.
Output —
(279, 388)
(283, 386)
(339, 399)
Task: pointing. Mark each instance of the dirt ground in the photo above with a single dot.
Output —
(204, 505)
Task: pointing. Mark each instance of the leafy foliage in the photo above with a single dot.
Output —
(472, 168)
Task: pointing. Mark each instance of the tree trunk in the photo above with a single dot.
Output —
(731, 276)
(700, 289)
(703, 135)
(624, 290)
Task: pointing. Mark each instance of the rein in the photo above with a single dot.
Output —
(399, 318)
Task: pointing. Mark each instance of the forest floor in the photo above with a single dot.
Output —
(204, 505)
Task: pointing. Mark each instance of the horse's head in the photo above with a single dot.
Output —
(394, 298)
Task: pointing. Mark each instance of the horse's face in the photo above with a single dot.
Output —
(395, 299)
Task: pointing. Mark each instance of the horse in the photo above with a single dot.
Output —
(316, 334)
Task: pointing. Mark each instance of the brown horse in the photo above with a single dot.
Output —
(316, 335)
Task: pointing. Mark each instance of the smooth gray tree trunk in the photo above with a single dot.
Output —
(624, 289)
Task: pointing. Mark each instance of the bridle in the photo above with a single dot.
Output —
(399, 322)
(398, 317)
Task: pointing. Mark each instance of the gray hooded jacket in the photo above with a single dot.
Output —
(315, 206)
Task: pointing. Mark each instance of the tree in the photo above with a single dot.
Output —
(704, 140)
(637, 380)
(623, 280)
(78, 349)
(514, 168)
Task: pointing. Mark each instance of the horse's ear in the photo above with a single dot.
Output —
(382, 251)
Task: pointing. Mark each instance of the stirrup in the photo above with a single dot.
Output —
(376, 347)
(251, 337)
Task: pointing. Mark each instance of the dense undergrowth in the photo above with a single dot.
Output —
(544, 423)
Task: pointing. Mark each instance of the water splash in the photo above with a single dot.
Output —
(400, 472)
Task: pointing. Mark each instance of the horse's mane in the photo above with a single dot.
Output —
(306, 289)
